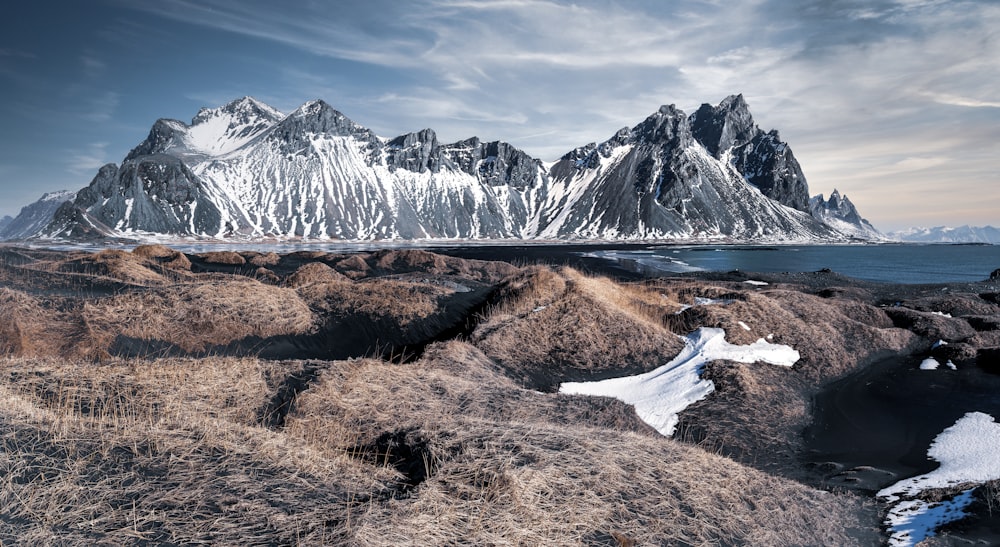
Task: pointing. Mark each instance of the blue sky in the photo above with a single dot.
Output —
(896, 103)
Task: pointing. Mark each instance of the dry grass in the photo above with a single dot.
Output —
(197, 316)
(314, 272)
(172, 451)
(398, 301)
(164, 255)
(760, 410)
(183, 450)
(518, 467)
(164, 451)
(229, 258)
(550, 327)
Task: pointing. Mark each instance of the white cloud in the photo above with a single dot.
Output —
(956, 100)
(865, 94)
(87, 161)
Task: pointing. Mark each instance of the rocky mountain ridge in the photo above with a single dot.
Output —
(35, 217)
(839, 212)
(245, 171)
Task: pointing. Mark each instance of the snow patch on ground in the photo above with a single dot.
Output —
(913, 521)
(968, 454)
(755, 282)
(661, 394)
(929, 363)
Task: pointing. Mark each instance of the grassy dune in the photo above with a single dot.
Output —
(403, 398)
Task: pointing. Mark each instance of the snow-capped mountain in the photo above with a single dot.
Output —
(4, 221)
(945, 234)
(674, 176)
(36, 216)
(840, 213)
(245, 170)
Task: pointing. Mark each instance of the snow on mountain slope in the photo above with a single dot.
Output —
(656, 180)
(839, 213)
(946, 234)
(36, 216)
(212, 132)
(245, 171)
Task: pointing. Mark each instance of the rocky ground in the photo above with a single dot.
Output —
(404, 397)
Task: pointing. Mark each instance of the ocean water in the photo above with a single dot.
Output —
(891, 263)
(902, 263)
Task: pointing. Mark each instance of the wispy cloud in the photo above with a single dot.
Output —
(956, 100)
(87, 160)
(101, 106)
(856, 87)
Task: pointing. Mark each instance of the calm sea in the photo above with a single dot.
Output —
(903, 263)
(894, 263)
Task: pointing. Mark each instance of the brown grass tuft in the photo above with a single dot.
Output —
(223, 257)
(315, 272)
(163, 255)
(195, 317)
(510, 466)
(550, 327)
(262, 259)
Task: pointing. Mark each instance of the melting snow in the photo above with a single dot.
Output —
(929, 363)
(968, 454)
(755, 282)
(659, 395)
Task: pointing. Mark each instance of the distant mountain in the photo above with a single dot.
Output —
(35, 217)
(840, 213)
(4, 221)
(944, 234)
(246, 171)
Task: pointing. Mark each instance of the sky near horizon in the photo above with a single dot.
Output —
(896, 103)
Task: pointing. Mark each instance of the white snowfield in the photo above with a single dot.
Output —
(969, 456)
(661, 394)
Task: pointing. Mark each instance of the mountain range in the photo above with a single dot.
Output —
(945, 234)
(246, 171)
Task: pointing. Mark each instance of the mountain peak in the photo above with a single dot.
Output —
(667, 125)
(245, 110)
(317, 118)
(734, 102)
(719, 128)
(840, 213)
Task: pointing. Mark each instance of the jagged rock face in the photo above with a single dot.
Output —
(494, 163)
(841, 214)
(297, 131)
(155, 193)
(246, 170)
(729, 131)
(768, 163)
(417, 152)
(657, 180)
(719, 128)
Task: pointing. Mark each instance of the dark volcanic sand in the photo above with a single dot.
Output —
(883, 419)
